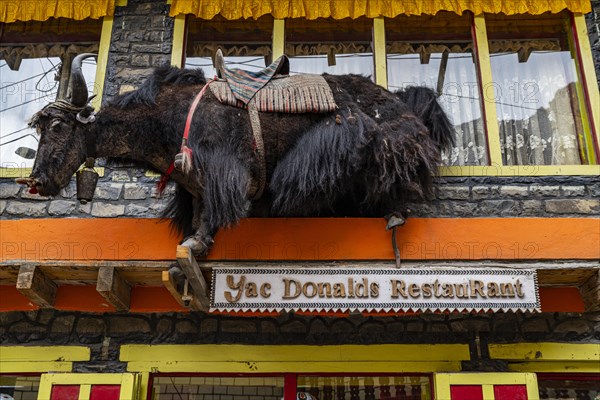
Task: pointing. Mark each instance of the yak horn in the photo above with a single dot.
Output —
(77, 85)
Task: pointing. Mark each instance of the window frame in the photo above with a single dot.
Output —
(585, 70)
(128, 382)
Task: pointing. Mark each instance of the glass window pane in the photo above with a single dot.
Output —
(538, 94)
(365, 387)
(23, 93)
(580, 387)
(210, 387)
(19, 387)
(443, 62)
(246, 44)
(333, 46)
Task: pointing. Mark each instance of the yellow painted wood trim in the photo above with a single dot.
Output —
(589, 155)
(443, 381)
(278, 44)
(22, 172)
(298, 353)
(520, 170)
(293, 367)
(32, 367)
(488, 93)
(556, 366)
(144, 383)
(545, 352)
(85, 391)
(177, 52)
(123, 3)
(102, 60)
(44, 353)
(589, 72)
(379, 52)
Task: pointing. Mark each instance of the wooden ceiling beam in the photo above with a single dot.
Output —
(114, 288)
(36, 286)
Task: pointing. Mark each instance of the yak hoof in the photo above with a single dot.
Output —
(198, 247)
(394, 221)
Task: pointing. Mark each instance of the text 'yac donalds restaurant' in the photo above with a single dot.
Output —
(421, 222)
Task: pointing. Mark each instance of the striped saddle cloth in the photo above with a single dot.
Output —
(272, 89)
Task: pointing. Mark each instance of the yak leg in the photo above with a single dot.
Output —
(225, 197)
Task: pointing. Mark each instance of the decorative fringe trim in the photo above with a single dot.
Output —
(294, 94)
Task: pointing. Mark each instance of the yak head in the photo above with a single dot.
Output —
(63, 144)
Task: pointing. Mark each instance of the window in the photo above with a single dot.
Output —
(569, 386)
(442, 60)
(512, 85)
(539, 97)
(19, 387)
(366, 387)
(332, 46)
(35, 66)
(278, 387)
(246, 44)
(218, 387)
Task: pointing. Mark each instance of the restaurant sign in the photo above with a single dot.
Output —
(373, 289)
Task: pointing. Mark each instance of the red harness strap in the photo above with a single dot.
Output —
(185, 150)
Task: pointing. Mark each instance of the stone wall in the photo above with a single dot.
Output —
(125, 192)
(104, 333)
(142, 39)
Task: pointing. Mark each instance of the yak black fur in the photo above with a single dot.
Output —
(369, 158)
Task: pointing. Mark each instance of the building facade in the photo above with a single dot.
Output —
(88, 309)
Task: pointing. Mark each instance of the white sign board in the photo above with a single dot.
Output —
(354, 289)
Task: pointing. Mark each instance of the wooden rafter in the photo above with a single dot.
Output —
(114, 288)
(36, 286)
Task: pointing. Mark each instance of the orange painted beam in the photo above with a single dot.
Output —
(307, 239)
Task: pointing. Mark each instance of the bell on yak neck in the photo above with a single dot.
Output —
(87, 178)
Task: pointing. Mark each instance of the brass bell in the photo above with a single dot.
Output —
(87, 179)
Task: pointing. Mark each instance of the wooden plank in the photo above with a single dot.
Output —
(590, 292)
(114, 288)
(169, 283)
(36, 286)
(191, 269)
(191, 302)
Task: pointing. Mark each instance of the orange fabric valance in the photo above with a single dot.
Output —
(41, 10)
(338, 9)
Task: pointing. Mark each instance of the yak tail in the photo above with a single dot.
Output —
(181, 212)
(423, 102)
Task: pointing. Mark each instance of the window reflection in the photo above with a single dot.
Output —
(365, 387)
(246, 44)
(537, 91)
(444, 63)
(333, 46)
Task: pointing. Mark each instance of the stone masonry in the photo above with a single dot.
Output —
(129, 192)
(45, 327)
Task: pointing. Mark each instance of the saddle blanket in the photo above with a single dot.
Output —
(304, 93)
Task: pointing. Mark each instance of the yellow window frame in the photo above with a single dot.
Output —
(129, 384)
(496, 168)
(487, 380)
(31, 359)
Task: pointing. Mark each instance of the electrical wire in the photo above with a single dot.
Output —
(19, 138)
